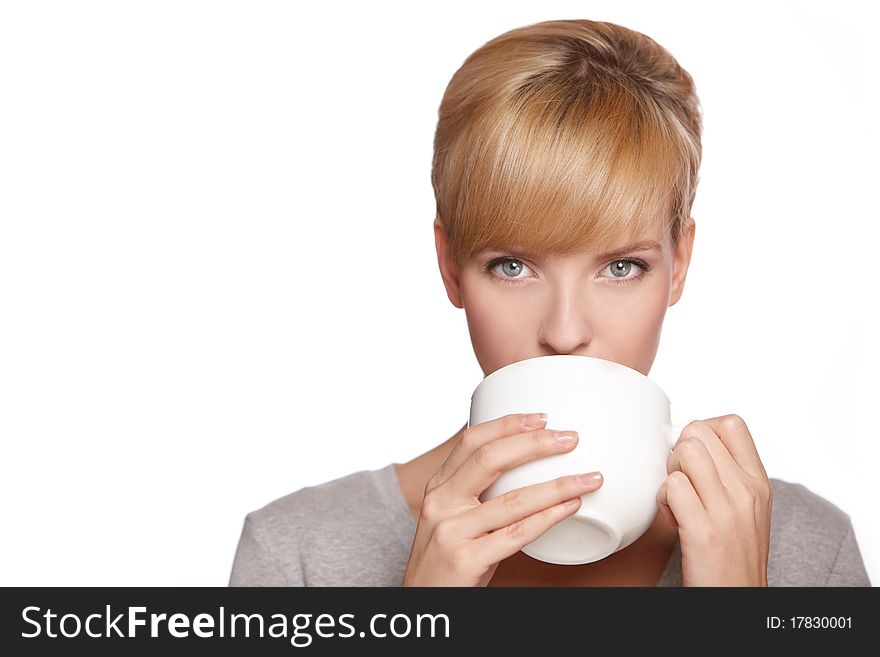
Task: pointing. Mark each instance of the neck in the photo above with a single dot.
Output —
(414, 475)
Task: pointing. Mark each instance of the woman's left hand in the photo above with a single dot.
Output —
(719, 496)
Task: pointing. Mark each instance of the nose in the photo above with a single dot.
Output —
(566, 327)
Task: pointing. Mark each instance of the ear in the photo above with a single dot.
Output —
(448, 271)
(681, 262)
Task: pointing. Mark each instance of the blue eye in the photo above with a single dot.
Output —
(620, 269)
(512, 267)
(509, 266)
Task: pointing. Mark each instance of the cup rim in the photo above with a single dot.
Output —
(571, 356)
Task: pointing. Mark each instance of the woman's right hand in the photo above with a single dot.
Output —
(460, 540)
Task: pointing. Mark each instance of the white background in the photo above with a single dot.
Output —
(218, 281)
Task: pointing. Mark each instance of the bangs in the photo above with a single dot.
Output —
(560, 167)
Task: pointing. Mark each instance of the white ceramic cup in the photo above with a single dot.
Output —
(623, 422)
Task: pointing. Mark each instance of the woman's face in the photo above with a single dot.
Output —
(586, 304)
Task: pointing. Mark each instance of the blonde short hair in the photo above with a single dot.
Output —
(564, 135)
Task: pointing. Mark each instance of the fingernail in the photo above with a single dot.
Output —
(565, 437)
(590, 478)
(536, 420)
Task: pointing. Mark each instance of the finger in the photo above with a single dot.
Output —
(512, 538)
(666, 512)
(477, 435)
(679, 497)
(734, 433)
(728, 469)
(522, 502)
(692, 457)
(487, 463)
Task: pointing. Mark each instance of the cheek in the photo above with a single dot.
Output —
(501, 326)
(631, 331)
(639, 324)
(640, 310)
(495, 320)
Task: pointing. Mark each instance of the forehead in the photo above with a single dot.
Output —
(653, 239)
(568, 232)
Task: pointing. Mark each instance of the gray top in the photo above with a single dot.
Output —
(357, 530)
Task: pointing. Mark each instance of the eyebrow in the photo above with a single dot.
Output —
(644, 245)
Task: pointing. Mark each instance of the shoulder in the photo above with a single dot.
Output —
(321, 503)
(811, 539)
(798, 506)
(314, 514)
(347, 531)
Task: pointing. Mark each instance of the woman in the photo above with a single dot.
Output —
(565, 166)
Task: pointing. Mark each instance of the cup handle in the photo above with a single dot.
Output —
(672, 432)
